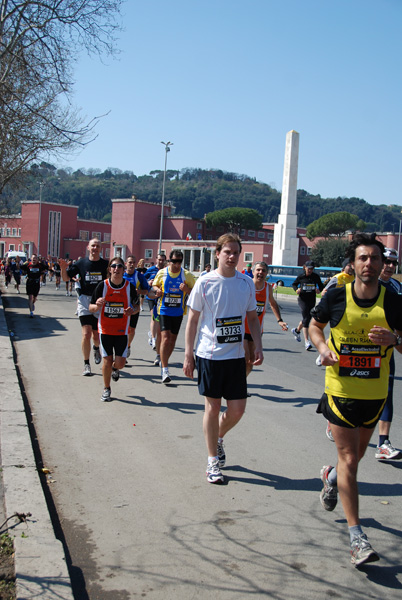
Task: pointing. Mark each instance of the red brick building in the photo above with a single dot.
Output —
(55, 230)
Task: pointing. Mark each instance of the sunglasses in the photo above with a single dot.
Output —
(391, 262)
(116, 266)
(175, 261)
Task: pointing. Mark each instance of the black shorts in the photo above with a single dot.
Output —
(222, 378)
(169, 323)
(305, 308)
(134, 320)
(113, 344)
(349, 412)
(89, 320)
(32, 288)
(17, 278)
(248, 337)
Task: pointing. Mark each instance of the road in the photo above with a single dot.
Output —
(128, 477)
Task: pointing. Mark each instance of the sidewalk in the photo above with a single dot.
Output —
(40, 564)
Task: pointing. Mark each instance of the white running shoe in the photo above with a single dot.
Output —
(87, 370)
(166, 377)
(296, 334)
(106, 395)
(214, 474)
(387, 452)
(307, 345)
(318, 361)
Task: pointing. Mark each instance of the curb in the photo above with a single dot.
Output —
(40, 563)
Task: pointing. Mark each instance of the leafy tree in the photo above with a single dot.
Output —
(39, 41)
(330, 253)
(334, 223)
(235, 219)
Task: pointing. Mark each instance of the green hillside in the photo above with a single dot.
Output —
(193, 192)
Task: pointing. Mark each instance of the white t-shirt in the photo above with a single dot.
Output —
(223, 303)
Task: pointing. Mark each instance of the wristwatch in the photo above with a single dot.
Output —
(398, 340)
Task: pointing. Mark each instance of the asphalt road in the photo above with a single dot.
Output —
(128, 477)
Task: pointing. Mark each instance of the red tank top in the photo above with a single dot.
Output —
(261, 298)
(112, 320)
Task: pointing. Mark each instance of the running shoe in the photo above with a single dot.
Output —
(213, 473)
(128, 352)
(97, 355)
(296, 334)
(153, 344)
(362, 551)
(157, 360)
(149, 338)
(31, 314)
(106, 395)
(318, 361)
(221, 455)
(387, 452)
(166, 377)
(87, 370)
(329, 493)
(307, 345)
(115, 374)
(329, 432)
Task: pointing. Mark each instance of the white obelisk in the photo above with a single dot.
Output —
(286, 242)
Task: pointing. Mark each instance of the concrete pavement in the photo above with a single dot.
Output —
(128, 484)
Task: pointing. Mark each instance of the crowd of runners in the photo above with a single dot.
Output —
(223, 341)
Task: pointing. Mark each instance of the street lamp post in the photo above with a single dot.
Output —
(167, 149)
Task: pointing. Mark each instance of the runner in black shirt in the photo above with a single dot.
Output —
(90, 271)
(33, 270)
(305, 286)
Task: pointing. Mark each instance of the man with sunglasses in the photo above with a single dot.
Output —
(172, 286)
(385, 450)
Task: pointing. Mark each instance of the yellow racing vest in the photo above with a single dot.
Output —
(362, 370)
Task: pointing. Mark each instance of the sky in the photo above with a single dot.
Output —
(225, 80)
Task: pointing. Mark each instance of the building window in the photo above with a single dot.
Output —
(302, 250)
(242, 232)
(106, 237)
(53, 242)
(309, 251)
(270, 236)
(19, 232)
(96, 234)
(220, 229)
(107, 252)
(84, 236)
(261, 235)
(8, 232)
(209, 237)
(248, 257)
(251, 233)
(199, 225)
(14, 233)
(148, 254)
(11, 247)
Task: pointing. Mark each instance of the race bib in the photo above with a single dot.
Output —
(360, 361)
(92, 277)
(114, 310)
(173, 300)
(260, 307)
(308, 287)
(229, 330)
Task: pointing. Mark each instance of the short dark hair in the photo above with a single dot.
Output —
(363, 239)
(177, 254)
(226, 238)
(263, 264)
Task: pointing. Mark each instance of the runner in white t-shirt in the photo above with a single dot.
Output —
(219, 303)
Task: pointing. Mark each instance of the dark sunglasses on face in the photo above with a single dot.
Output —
(391, 262)
(175, 261)
(116, 266)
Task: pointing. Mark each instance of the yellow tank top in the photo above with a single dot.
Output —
(362, 369)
